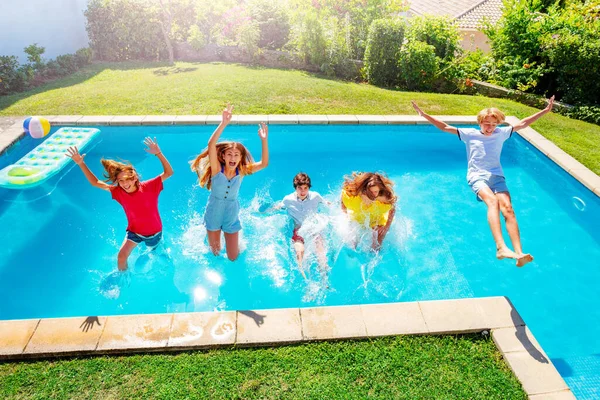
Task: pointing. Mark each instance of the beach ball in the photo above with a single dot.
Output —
(37, 127)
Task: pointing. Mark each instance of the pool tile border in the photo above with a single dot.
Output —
(60, 337)
(587, 177)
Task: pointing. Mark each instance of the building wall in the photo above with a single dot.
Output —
(57, 25)
(473, 39)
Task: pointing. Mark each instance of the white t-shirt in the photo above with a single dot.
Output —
(300, 209)
(483, 152)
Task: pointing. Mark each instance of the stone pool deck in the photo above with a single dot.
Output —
(56, 337)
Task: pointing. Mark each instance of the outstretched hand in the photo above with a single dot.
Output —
(73, 153)
(550, 104)
(416, 107)
(263, 131)
(152, 146)
(227, 114)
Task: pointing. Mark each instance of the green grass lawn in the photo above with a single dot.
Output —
(204, 88)
(405, 367)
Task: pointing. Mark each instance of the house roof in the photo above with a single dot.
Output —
(467, 13)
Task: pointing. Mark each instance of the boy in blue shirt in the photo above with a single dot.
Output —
(300, 205)
(485, 175)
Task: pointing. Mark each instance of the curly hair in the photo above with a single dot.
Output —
(201, 164)
(301, 179)
(359, 183)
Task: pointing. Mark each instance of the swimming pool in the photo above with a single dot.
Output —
(61, 239)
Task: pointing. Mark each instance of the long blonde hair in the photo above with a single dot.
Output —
(201, 164)
(114, 168)
(359, 183)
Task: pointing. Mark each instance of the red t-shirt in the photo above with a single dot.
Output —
(141, 206)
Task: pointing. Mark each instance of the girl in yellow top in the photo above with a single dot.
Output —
(368, 198)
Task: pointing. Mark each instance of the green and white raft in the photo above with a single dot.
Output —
(45, 160)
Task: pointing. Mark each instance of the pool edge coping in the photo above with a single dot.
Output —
(126, 334)
(573, 167)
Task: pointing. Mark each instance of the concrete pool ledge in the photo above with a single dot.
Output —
(65, 337)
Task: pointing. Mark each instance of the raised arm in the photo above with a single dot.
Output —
(73, 153)
(434, 121)
(263, 133)
(212, 142)
(155, 150)
(525, 122)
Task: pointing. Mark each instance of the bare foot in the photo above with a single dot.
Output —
(523, 259)
(505, 252)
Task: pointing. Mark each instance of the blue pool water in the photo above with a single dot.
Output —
(60, 240)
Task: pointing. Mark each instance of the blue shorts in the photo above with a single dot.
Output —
(496, 183)
(150, 241)
(222, 215)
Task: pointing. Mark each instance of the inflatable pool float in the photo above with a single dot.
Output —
(45, 160)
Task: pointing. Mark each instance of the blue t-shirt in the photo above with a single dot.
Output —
(300, 209)
(483, 152)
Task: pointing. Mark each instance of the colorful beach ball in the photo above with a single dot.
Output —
(37, 127)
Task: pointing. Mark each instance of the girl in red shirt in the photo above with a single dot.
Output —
(139, 199)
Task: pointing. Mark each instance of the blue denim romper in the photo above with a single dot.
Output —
(223, 207)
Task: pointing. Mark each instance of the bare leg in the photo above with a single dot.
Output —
(126, 249)
(299, 249)
(493, 217)
(232, 245)
(512, 227)
(214, 241)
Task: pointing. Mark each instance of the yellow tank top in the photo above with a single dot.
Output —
(375, 213)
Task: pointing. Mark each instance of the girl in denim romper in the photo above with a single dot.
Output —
(221, 168)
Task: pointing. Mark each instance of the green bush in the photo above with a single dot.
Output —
(438, 31)
(549, 49)
(248, 38)
(83, 56)
(16, 78)
(196, 38)
(34, 55)
(68, 63)
(310, 39)
(122, 30)
(419, 66)
(273, 22)
(12, 78)
(575, 59)
(476, 65)
(584, 113)
(383, 50)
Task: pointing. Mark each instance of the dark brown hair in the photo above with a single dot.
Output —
(359, 183)
(301, 179)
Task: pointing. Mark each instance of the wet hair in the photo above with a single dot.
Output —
(494, 112)
(201, 164)
(113, 168)
(302, 179)
(359, 183)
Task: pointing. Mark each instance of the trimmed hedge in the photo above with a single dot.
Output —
(383, 51)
